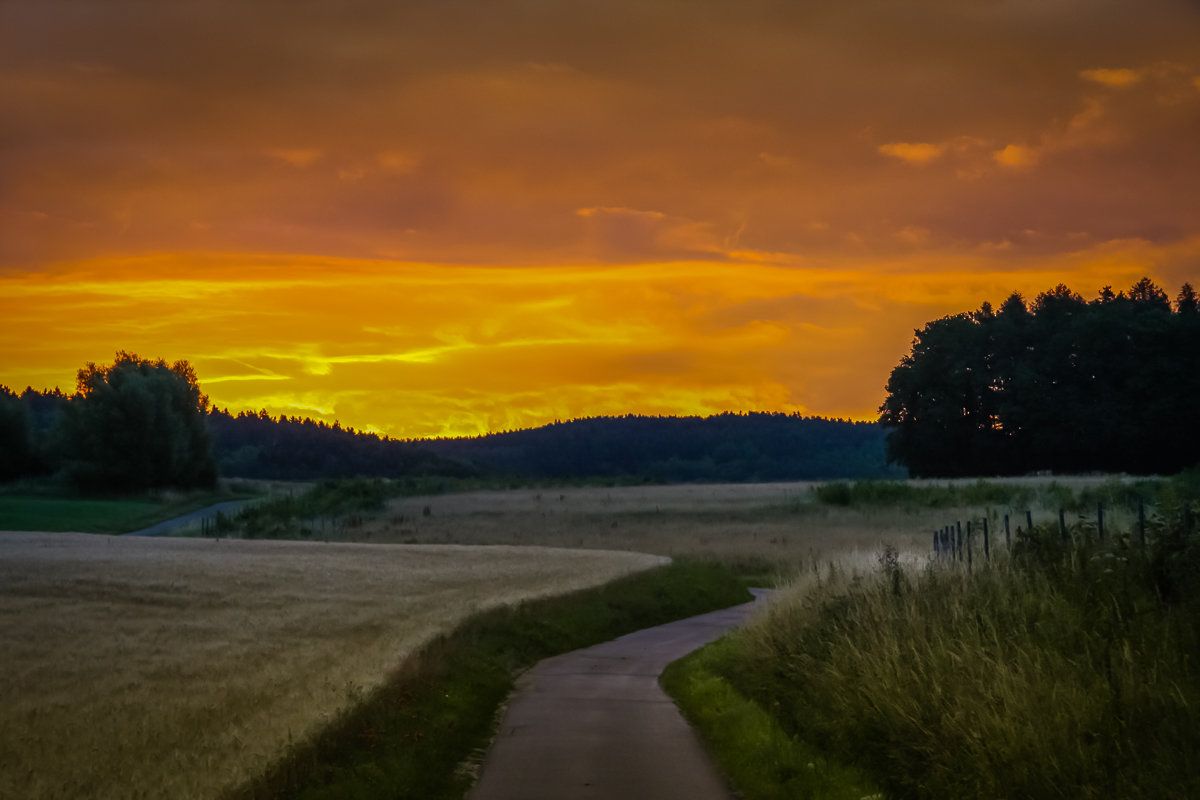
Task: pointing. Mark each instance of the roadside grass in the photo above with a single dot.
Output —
(48, 509)
(1063, 671)
(751, 748)
(425, 730)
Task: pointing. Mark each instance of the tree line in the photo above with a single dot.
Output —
(1061, 384)
(131, 425)
(256, 445)
(140, 424)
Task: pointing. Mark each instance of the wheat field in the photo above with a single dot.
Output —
(138, 667)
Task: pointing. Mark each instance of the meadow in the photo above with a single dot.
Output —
(182, 667)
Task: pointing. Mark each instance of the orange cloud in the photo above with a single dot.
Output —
(1015, 155)
(1113, 78)
(296, 156)
(913, 152)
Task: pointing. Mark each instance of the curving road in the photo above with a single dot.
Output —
(595, 724)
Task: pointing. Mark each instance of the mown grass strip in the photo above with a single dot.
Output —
(759, 758)
(415, 736)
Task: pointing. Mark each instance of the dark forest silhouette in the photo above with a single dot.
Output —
(45, 433)
(725, 447)
(1062, 384)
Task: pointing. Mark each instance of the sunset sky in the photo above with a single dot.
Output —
(444, 218)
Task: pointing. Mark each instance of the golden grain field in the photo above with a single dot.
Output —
(143, 667)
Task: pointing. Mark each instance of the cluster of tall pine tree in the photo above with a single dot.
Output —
(1060, 384)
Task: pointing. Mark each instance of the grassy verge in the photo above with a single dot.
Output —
(55, 511)
(413, 736)
(1068, 671)
(758, 756)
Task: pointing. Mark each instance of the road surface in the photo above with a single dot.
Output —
(594, 723)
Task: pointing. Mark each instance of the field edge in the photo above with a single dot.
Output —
(423, 732)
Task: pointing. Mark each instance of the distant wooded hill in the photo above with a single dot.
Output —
(726, 447)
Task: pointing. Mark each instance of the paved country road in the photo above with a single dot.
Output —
(594, 723)
(227, 507)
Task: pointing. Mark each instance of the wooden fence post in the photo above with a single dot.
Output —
(970, 549)
(1100, 520)
(960, 540)
(987, 547)
(1028, 521)
(1142, 521)
(1062, 524)
(1007, 534)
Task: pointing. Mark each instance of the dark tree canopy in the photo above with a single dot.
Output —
(16, 437)
(138, 424)
(252, 445)
(723, 447)
(1063, 385)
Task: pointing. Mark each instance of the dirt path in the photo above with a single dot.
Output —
(594, 723)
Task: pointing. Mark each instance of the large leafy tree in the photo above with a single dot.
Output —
(138, 424)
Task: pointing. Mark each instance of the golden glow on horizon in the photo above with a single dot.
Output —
(416, 350)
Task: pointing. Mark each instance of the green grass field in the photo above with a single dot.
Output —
(34, 511)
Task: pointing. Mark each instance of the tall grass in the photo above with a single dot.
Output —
(1064, 672)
